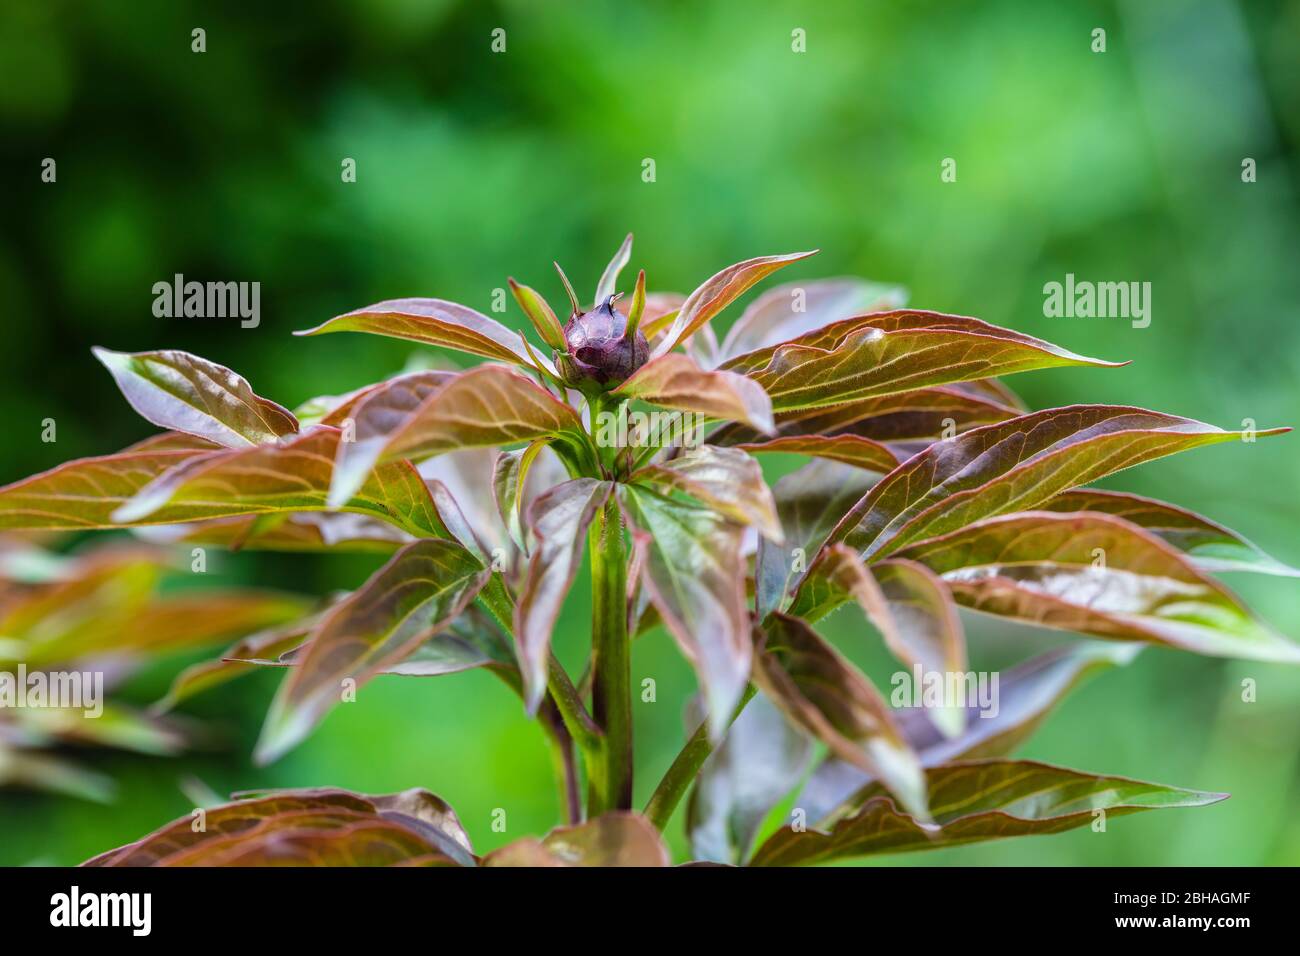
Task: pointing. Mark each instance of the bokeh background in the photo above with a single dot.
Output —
(472, 165)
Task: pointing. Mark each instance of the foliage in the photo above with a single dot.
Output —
(929, 488)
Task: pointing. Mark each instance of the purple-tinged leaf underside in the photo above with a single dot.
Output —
(416, 594)
(825, 696)
(185, 393)
(694, 572)
(559, 520)
(995, 727)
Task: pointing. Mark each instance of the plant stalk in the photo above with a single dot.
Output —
(610, 783)
(685, 767)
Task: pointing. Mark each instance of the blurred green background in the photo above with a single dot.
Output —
(474, 165)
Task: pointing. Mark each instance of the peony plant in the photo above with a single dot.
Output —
(631, 438)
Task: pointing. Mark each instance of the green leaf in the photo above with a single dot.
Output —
(975, 801)
(726, 479)
(540, 314)
(189, 394)
(611, 839)
(830, 700)
(717, 293)
(485, 406)
(888, 352)
(760, 760)
(433, 322)
(1013, 466)
(268, 479)
(559, 520)
(1211, 546)
(420, 591)
(1097, 575)
(676, 381)
(1025, 695)
(694, 573)
(324, 827)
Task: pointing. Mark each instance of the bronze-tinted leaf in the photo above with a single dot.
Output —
(849, 449)
(268, 479)
(189, 394)
(893, 352)
(929, 413)
(725, 478)
(559, 520)
(830, 700)
(85, 492)
(433, 322)
(324, 827)
(1025, 695)
(286, 531)
(484, 407)
(759, 761)
(797, 308)
(1013, 466)
(612, 839)
(1098, 575)
(421, 590)
(676, 381)
(1211, 546)
(269, 643)
(974, 801)
(717, 293)
(695, 576)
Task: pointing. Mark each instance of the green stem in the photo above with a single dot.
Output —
(573, 723)
(610, 783)
(684, 769)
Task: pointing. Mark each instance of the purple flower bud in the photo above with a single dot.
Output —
(599, 350)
